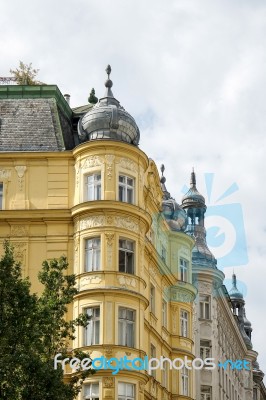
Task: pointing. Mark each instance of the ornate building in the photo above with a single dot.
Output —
(75, 182)
(221, 328)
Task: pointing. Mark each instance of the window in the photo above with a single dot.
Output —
(255, 394)
(126, 189)
(153, 355)
(205, 393)
(152, 299)
(205, 349)
(1, 195)
(92, 254)
(163, 253)
(205, 307)
(126, 327)
(126, 256)
(184, 324)
(91, 391)
(184, 381)
(92, 330)
(93, 187)
(165, 365)
(164, 313)
(126, 391)
(183, 270)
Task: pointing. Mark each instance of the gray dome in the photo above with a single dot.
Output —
(193, 198)
(108, 120)
(234, 293)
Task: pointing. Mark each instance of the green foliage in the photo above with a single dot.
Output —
(92, 98)
(33, 330)
(25, 74)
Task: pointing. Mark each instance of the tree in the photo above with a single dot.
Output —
(92, 98)
(25, 74)
(33, 330)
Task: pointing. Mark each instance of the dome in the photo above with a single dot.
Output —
(108, 120)
(193, 198)
(234, 293)
(175, 216)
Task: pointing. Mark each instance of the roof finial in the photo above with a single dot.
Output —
(234, 280)
(193, 179)
(166, 194)
(108, 83)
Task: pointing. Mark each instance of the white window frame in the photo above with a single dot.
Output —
(205, 349)
(1, 195)
(126, 191)
(164, 313)
(183, 270)
(205, 393)
(95, 185)
(152, 298)
(93, 254)
(205, 306)
(94, 326)
(124, 324)
(184, 323)
(128, 251)
(130, 391)
(185, 381)
(90, 389)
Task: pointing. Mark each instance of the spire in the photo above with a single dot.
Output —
(108, 84)
(234, 280)
(193, 179)
(166, 194)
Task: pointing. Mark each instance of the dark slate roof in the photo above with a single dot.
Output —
(34, 118)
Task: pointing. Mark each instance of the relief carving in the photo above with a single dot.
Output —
(126, 223)
(109, 161)
(19, 230)
(20, 172)
(125, 281)
(93, 161)
(128, 164)
(110, 241)
(108, 382)
(90, 280)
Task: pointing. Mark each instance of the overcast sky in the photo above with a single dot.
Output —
(193, 75)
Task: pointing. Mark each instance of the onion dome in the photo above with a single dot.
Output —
(108, 120)
(175, 216)
(234, 293)
(193, 198)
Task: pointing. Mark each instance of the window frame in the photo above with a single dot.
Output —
(153, 355)
(95, 250)
(94, 321)
(184, 327)
(125, 187)
(152, 298)
(203, 306)
(126, 251)
(205, 349)
(126, 396)
(91, 396)
(183, 270)
(164, 313)
(123, 325)
(205, 392)
(185, 381)
(163, 253)
(95, 184)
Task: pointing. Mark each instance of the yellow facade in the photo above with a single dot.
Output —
(46, 213)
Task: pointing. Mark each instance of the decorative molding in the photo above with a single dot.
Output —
(205, 288)
(92, 161)
(90, 280)
(126, 223)
(108, 382)
(20, 250)
(108, 351)
(109, 161)
(110, 240)
(153, 272)
(77, 169)
(101, 220)
(128, 164)
(125, 281)
(5, 174)
(19, 230)
(141, 387)
(20, 171)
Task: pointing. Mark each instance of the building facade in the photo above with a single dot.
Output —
(75, 182)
